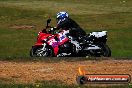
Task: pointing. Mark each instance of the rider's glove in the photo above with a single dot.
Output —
(53, 28)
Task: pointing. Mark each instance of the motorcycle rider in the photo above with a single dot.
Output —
(64, 22)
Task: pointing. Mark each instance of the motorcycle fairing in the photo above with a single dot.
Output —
(42, 36)
(55, 43)
(98, 34)
(38, 44)
(62, 39)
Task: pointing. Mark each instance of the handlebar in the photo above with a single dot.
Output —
(51, 30)
(48, 22)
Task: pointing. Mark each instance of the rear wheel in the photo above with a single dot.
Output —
(39, 52)
(105, 50)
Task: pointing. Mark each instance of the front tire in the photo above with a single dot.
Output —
(37, 51)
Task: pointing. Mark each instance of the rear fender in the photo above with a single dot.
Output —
(98, 36)
(97, 40)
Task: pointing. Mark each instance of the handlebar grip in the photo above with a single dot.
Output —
(48, 27)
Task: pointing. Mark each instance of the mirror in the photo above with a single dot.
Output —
(48, 21)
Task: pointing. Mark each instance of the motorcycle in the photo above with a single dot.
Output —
(52, 44)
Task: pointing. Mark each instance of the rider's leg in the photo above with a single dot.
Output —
(76, 43)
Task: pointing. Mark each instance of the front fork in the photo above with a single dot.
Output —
(44, 45)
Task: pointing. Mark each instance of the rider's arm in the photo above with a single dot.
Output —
(63, 24)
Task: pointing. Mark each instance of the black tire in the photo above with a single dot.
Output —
(106, 52)
(34, 49)
(31, 52)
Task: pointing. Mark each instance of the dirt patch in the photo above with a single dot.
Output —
(22, 27)
(30, 72)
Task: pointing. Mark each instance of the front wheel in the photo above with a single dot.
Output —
(37, 51)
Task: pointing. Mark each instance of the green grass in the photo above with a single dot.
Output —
(115, 16)
(55, 84)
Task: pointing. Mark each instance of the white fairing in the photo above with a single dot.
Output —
(98, 34)
(61, 36)
(65, 32)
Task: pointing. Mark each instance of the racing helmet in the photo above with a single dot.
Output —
(61, 16)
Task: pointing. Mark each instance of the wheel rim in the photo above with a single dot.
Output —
(41, 53)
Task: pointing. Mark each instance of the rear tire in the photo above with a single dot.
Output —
(106, 52)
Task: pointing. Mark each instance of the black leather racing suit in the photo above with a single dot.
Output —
(74, 29)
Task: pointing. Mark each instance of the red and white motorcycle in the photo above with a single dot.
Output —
(51, 44)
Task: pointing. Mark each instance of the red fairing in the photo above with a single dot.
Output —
(38, 44)
(51, 40)
(42, 36)
(56, 49)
